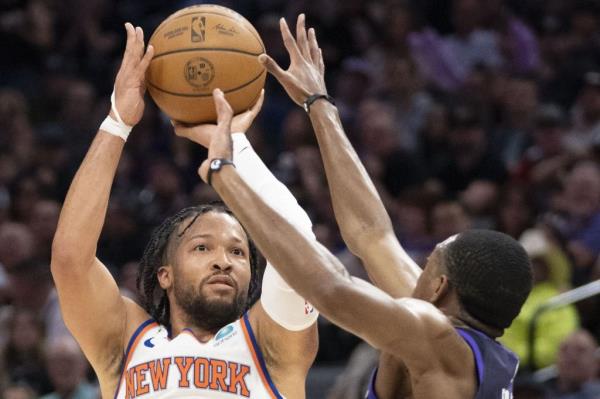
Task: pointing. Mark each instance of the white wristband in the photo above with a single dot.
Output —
(115, 127)
(109, 125)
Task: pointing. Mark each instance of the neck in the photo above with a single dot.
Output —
(180, 322)
(466, 320)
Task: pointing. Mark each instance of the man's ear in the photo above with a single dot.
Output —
(441, 290)
(165, 276)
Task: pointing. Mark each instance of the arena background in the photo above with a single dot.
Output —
(467, 113)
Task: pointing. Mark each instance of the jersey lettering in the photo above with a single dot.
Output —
(210, 374)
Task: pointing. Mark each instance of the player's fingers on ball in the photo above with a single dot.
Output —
(288, 40)
(145, 62)
(301, 38)
(139, 43)
(130, 30)
(259, 103)
(224, 111)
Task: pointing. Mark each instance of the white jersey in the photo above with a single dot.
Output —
(228, 366)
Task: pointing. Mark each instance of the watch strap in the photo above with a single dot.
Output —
(212, 169)
(312, 98)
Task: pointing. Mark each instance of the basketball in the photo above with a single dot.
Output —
(201, 48)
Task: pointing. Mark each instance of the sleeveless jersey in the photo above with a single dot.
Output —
(228, 366)
(495, 365)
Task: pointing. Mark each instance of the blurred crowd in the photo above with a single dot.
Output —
(466, 113)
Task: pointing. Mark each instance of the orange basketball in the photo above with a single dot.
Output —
(201, 48)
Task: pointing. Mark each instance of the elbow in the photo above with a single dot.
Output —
(66, 254)
(359, 241)
(330, 299)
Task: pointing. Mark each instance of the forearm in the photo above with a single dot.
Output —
(360, 213)
(283, 244)
(357, 206)
(84, 208)
(279, 300)
(260, 179)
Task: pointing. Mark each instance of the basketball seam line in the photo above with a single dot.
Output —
(209, 94)
(229, 50)
(159, 27)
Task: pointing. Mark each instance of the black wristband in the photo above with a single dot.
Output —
(312, 98)
(215, 166)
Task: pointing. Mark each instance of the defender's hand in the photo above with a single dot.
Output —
(130, 83)
(221, 145)
(306, 74)
(203, 134)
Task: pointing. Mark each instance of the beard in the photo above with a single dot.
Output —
(209, 314)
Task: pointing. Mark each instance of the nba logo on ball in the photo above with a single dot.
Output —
(199, 72)
(198, 29)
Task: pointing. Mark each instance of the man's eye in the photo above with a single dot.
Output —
(238, 252)
(201, 248)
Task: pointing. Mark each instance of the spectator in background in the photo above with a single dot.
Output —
(586, 114)
(382, 148)
(553, 326)
(42, 222)
(470, 157)
(67, 368)
(577, 368)
(519, 104)
(22, 357)
(575, 217)
(515, 210)
(546, 160)
(447, 219)
(17, 245)
(18, 390)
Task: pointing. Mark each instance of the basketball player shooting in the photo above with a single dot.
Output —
(192, 336)
(436, 327)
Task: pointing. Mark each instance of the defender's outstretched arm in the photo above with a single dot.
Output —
(360, 213)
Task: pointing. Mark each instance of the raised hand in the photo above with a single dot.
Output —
(305, 75)
(130, 81)
(221, 145)
(203, 134)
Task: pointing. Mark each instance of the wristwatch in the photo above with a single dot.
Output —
(215, 166)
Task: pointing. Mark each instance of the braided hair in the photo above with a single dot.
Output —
(154, 298)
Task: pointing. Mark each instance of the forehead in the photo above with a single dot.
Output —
(216, 224)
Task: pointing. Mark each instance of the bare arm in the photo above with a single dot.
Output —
(360, 213)
(402, 327)
(92, 307)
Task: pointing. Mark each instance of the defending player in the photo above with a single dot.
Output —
(193, 336)
(437, 344)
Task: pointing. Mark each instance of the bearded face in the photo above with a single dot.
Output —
(206, 310)
(209, 272)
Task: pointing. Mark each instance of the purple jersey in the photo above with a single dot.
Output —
(495, 365)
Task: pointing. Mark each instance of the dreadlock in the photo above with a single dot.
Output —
(154, 298)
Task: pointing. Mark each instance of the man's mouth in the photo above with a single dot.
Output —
(222, 280)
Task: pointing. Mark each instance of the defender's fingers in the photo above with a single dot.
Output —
(289, 41)
(271, 65)
(313, 47)
(301, 38)
(321, 63)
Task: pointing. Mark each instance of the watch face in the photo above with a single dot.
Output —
(215, 164)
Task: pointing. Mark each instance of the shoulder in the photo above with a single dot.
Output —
(431, 331)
